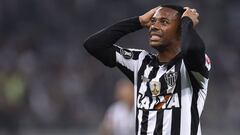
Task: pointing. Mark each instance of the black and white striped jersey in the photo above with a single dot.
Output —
(169, 97)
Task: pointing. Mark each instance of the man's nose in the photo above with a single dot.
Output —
(154, 27)
(155, 24)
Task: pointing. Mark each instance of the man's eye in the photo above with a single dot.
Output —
(153, 20)
(164, 21)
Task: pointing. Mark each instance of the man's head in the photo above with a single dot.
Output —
(165, 26)
(124, 91)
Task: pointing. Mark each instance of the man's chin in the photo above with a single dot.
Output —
(154, 43)
(158, 46)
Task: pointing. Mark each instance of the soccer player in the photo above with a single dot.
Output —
(170, 86)
(119, 118)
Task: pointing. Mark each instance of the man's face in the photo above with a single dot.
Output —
(164, 27)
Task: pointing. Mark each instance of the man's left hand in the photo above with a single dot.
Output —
(192, 14)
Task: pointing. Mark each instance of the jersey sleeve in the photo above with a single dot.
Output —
(101, 44)
(193, 49)
(127, 60)
(194, 55)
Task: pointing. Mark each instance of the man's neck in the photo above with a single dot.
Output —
(169, 53)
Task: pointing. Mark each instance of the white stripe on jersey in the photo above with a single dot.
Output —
(202, 94)
(186, 99)
(199, 130)
(160, 72)
(142, 55)
(140, 113)
(167, 122)
(152, 119)
(127, 63)
(143, 87)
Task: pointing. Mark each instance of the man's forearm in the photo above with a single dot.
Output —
(100, 44)
(190, 39)
(110, 35)
(193, 47)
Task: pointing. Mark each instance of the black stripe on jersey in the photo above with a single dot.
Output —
(140, 73)
(201, 69)
(144, 123)
(195, 115)
(159, 124)
(164, 86)
(136, 117)
(174, 60)
(136, 55)
(194, 109)
(205, 72)
(141, 70)
(176, 121)
(152, 75)
(176, 112)
(126, 71)
(194, 81)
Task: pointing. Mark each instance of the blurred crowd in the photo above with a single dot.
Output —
(47, 80)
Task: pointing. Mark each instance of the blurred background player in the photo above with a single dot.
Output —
(119, 118)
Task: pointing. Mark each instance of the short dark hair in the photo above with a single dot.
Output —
(180, 9)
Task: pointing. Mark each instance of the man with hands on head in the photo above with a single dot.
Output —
(170, 87)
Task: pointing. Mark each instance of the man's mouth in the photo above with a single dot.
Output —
(155, 36)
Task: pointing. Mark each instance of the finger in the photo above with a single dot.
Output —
(156, 8)
(193, 10)
(197, 21)
(186, 8)
(152, 11)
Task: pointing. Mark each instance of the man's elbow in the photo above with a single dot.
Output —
(89, 44)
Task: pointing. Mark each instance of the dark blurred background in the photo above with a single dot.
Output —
(50, 85)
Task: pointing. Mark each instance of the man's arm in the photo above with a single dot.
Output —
(193, 47)
(100, 44)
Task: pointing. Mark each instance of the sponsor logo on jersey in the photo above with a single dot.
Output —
(127, 54)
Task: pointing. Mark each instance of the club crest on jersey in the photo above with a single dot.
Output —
(127, 54)
(171, 78)
(155, 88)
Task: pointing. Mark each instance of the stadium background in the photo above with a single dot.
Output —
(50, 85)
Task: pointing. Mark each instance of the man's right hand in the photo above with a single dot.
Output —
(145, 19)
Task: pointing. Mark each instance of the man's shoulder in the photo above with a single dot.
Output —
(132, 53)
(140, 53)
